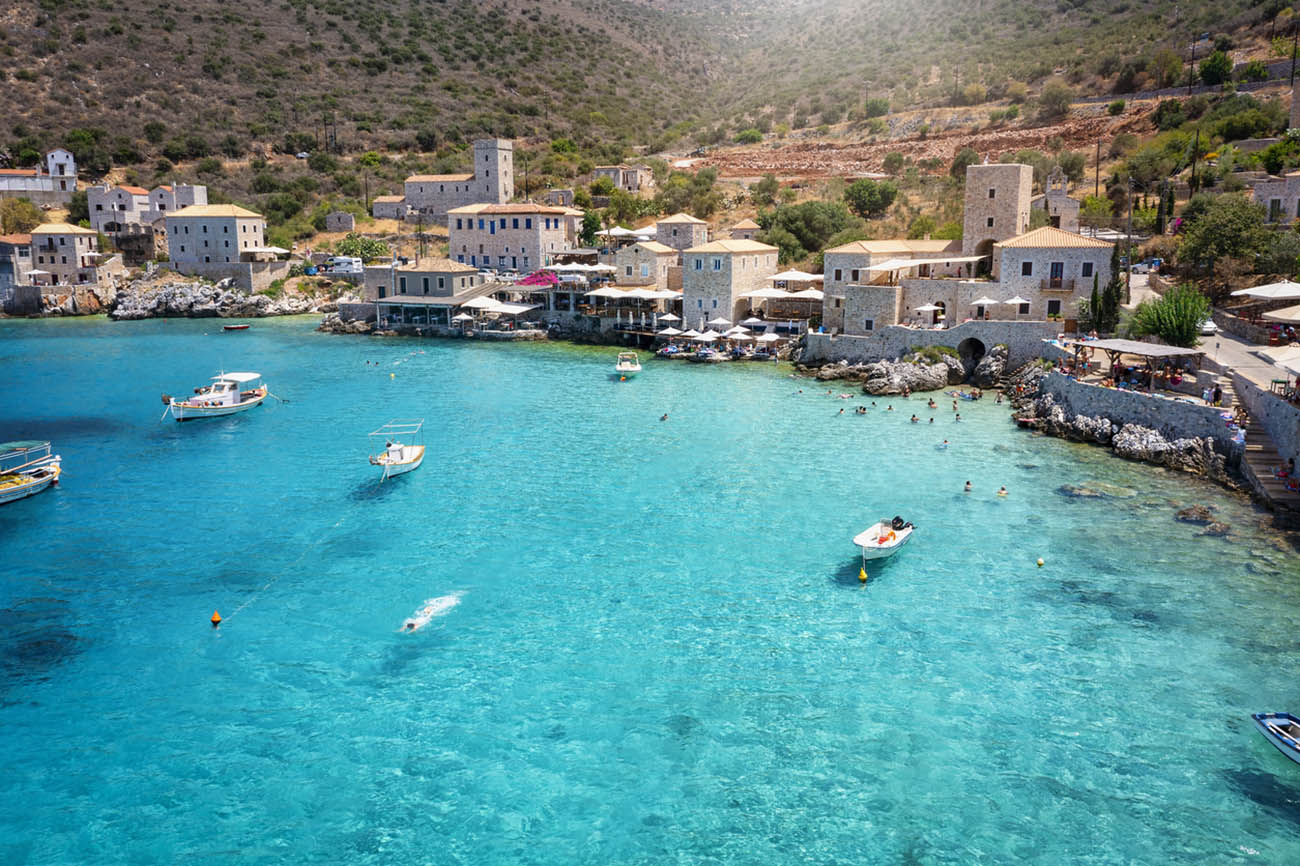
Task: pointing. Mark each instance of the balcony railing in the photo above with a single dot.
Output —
(1057, 284)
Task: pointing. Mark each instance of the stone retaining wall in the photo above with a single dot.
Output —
(1024, 342)
(1173, 419)
(249, 276)
(358, 312)
(1239, 327)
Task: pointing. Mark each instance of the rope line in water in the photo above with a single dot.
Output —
(276, 579)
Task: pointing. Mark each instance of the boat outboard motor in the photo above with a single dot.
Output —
(897, 523)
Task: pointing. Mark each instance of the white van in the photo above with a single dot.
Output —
(344, 265)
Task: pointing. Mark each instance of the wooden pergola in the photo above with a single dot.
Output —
(1152, 353)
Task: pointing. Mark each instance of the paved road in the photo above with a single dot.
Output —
(1238, 354)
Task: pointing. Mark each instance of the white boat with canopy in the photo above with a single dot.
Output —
(627, 365)
(225, 396)
(399, 457)
(26, 468)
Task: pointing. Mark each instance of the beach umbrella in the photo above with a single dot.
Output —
(738, 329)
(669, 317)
(1283, 291)
(712, 334)
(719, 321)
(692, 333)
(462, 317)
(740, 337)
(928, 308)
(810, 294)
(1290, 315)
(796, 276)
(767, 338)
(1017, 300)
(985, 301)
(753, 320)
(669, 332)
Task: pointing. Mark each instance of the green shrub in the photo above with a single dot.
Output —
(749, 136)
(1116, 108)
(1175, 318)
(932, 354)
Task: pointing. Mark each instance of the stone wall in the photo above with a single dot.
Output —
(340, 221)
(1278, 417)
(249, 276)
(1173, 419)
(357, 312)
(1024, 342)
(1239, 327)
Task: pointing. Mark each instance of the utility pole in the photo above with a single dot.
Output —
(1096, 174)
(1128, 260)
(1295, 39)
(1196, 148)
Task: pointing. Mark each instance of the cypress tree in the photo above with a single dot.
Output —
(1094, 305)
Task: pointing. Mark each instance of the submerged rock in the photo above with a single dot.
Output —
(1217, 529)
(1195, 514)
(1078, 491)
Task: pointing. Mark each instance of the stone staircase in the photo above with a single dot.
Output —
(1258, 461)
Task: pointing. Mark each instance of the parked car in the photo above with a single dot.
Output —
(302, 154)
(1208, 328)
(1141, 268)
(344, 265)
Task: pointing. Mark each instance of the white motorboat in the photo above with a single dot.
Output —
(398, 457)
(26, 468)
(883, 538)
(225, 396)
(627, 365)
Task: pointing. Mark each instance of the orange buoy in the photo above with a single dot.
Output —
(216, 619)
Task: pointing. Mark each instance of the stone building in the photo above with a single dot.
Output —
(681, 231)
(388, 207)
(745, 230)
(997, 205)
(1280, 197)
(67, 254)
(340, 221)
(645, 263)
(629, 178)
(1062, 211)
(848, 265)
(1050, 268)
(222, 241)
(560, 197)
(508, 236)
(15, 262)
(133, 217)
(53, 184)
(435, 278)
(433, 195)
(715, 275)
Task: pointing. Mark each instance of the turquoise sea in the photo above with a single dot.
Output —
(650, 646)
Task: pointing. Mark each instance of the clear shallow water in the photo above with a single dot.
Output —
(651, 643)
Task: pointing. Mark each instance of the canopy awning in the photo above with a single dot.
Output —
(809, 295)
(1283, 291)
(511, 309)
(1290, 315)
(795, 276)
(480, 303)
(906, 264)
(1133, 347)
(241, 378)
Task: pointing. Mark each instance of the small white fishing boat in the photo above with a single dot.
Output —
(1282, 730)
(225, 396)
(26, 468)
(398, 457)
(627, 365)
(883, 538)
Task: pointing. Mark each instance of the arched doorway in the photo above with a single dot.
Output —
(984, 266)
(938, 315)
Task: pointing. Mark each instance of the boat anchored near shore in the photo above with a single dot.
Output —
(26, 468)
(883, 538)
(398, 458)
(1282, 730)
(225, 396)
(627, 365)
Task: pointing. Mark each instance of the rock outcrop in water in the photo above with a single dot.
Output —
(202, 300)
(893, 377)
(988, 372)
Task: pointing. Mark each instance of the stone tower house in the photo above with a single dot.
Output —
(494, 162)
(997, 205)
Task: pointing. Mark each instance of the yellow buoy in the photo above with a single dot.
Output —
(862, 574)
(216, 619)
(392, 375)
(1040, 562)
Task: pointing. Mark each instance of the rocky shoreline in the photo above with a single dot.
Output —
(1039, 411)
(202, 300)
(914, 373)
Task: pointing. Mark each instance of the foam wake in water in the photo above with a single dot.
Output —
(432, 607)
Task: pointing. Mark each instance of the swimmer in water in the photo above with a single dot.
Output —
(664, 417)
(841, 412)
(889, 408)
(932, 404)
(958, 416)
(968, 488)
(954, 405)
(1002, 491)
(931, 420)
(915, 420)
